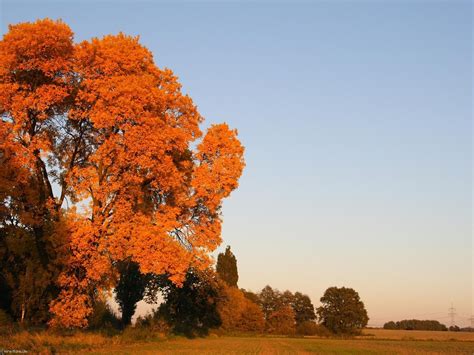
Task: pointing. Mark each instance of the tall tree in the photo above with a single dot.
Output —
(227, 267)
(303, 308)
(270, 300)
(342, 311)
(114, 132)
(287, 298)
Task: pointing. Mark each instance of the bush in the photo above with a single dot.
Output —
(310, 328)
(282, 321)
(307, 328)
(238, 313)
(7, 325)
(252, 318)
(154, 323)
(134, 334)
(103, 317)
(5, 319)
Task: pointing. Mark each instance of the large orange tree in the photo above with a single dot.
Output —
(102, 160)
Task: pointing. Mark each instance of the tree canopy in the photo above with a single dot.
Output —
(303, 308)
(342, 311)
(103, 160)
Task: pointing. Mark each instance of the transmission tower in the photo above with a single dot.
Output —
(452, 314)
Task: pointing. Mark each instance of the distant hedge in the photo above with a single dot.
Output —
(415, 324)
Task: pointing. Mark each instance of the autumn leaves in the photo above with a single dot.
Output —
(98, 166)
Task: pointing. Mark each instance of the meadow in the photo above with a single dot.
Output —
(372, 341)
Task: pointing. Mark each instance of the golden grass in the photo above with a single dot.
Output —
(275, 345)
(141, 341)
(48, 341)
(416, 335)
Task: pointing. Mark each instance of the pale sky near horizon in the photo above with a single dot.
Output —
(356, 118)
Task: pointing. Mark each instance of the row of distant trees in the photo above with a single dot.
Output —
(416, 324)
(211, 299)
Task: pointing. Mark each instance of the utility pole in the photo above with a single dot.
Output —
(472, 322)
(452, 313)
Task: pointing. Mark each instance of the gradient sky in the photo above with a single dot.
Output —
(356, 118)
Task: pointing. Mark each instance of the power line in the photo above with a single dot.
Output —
(452, 314)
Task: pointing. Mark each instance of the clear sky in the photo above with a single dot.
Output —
(356, 118)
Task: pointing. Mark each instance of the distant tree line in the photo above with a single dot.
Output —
(416, 324)
(212, 300)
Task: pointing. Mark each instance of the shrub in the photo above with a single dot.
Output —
(154, 322)
(311, 328)
(134, 334)
(103, 317)
(237, 312)
(5, 319)
(307, 328)
(252, 318)
(281, 321)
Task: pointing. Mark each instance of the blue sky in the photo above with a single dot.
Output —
(356, 118)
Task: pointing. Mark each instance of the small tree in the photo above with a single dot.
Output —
(192, 308)
(342, 310)
(130, 289)
(227, 267)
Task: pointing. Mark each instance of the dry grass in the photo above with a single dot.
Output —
(48, 342)
(416, 335)
(52, 342)
(374, 341)
(275, 345)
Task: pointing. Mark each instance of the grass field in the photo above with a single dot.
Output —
(416, 335)
(293, 345)
(374, 341)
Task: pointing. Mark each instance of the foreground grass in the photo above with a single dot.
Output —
(265, 345)
(135, 342)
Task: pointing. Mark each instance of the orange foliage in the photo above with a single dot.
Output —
(282, 321)
(237, 312)
(115, 133)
